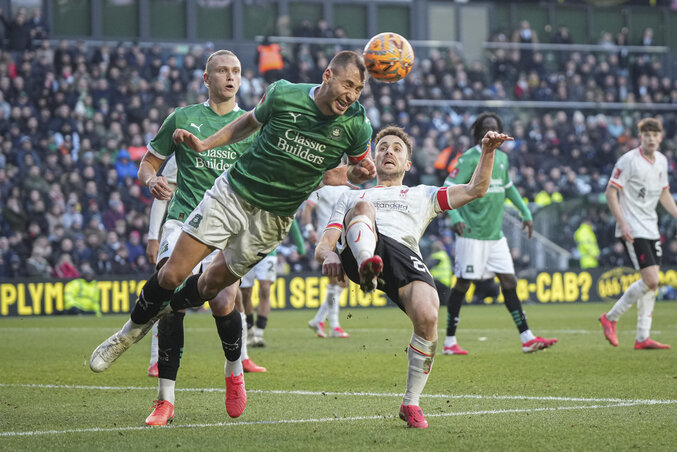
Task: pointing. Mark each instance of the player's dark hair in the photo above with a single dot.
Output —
(217, 53)
(650, 125)
(476, 127)
(345, 58)
(398, 132)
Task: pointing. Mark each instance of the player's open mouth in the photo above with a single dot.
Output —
(341, 105)
(388, 162)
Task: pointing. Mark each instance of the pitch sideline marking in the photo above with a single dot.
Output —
(359, 394)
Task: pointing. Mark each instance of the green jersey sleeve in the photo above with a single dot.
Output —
(162, 145)
(362, 143)
(264, 109)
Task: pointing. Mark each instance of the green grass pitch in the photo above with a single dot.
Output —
(344, 394)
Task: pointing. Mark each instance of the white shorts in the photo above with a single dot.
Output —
(171, 230)
(482, 259)
(245, 233)
(263, 271)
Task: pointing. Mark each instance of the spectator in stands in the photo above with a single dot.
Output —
(116, 211)
(81, 295)
(37, 264)
(586, 245)
(525, 35)
(14, 216)
(64, 268)
(18, 33)
(270, 60)
(134, 246)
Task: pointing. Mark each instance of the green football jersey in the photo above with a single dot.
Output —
(295, 146)
(196, 171)
(483, 216)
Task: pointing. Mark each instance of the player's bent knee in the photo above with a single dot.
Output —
(170, 278)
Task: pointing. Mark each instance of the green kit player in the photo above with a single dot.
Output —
(304, 131)
(481, 248)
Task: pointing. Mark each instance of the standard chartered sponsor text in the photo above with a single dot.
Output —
(301, 146)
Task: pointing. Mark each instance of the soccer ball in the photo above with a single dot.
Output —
(388, 57)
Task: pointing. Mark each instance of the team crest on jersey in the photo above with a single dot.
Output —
(195, 221)
(336, 133)
(454, 173)
(470, 269)
(617, 173)
(502, 167)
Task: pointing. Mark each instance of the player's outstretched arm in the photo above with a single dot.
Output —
(233, 132)
(325, 255)
(460, 195)
(614, 204)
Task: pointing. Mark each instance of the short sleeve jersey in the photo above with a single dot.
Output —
(324, 201)
(295, 146)
(169, 170)
(483, 216)
(402, 213)
(196, 171)
(641, 183)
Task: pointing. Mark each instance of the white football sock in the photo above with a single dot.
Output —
(645, 307)
(636, 290)
(243, 352)
(450, 341)
(154, 345)
(527, 336)
(420, 354)
(334, 304)
(233, 368)
(361, 238)
(166, 390)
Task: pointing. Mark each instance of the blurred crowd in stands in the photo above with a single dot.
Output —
(75, 119)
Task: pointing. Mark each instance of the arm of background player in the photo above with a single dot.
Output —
(611, 194)
(233, 132)
(307, 221)
(460, 195)
(158, 185)
(325, 255)
(527, 220)
(297, 238)
(668, 202)
(157, 214)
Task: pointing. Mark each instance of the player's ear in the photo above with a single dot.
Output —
(407, 167)
(326, 76)
(205, 78)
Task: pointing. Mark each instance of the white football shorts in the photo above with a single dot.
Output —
(245, 233)
(482, 259)
(263, 271)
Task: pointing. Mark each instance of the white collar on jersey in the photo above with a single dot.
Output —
(311, 93)
(235, 108)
